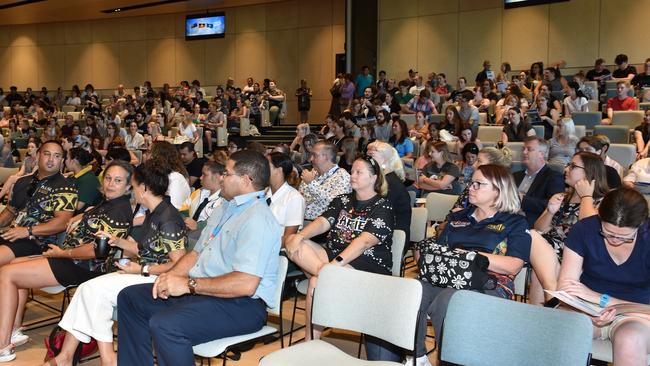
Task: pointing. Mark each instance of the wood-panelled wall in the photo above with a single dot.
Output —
(455, 36)
(286, 41)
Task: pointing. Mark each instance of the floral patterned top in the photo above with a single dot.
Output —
(561, 224)
(349, 217)
(320, 191)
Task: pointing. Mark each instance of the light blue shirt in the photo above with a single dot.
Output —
(241, 235)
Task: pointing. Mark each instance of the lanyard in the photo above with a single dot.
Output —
(229, 212)
(327, 175)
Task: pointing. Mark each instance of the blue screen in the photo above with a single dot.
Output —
(206, 26)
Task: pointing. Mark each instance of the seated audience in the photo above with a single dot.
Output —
(624, 71)
(585, 177)
(29, 164)
(548, 114)
(516, 130)
(563, 144)
(134, 140)
(639, 176)
(537, 183)
(203, 201)
(193, 164)
(468, 114)
(286, 203)
(219, 289)
(360, 226)
(575, 100)
(642, 136)
(598, 145)
(400, 140)
(324, 182)
(349, 150)
(621, 102)
(441, 175)
(420, 130)
(40, 207)
(161, 244)
(494, 200)
(68, 264)
(79, 162)
(605, 261)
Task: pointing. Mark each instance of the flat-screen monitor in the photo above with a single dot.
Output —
(519, 3)
(202, 26)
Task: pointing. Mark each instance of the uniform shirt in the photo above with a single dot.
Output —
(36, 201)
(163, 231)
(112, 216)
(349, 217)
(87, 186)
(287, 205)
(322, 190)
(502, 234)
(628, 281)
(196, 198)
(241, 236)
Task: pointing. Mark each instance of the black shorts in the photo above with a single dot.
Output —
(67, 273)
(362, 263)
(23, 247)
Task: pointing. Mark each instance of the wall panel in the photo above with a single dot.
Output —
(396, 52)
(314, 13)
(475, 29)
(105, 31)
(78, 59)
(282, 60)
(106, 60)
(219, 60)
(391, 9)
(190, 60)
(51, 66)
(437, 44)
(624, 30)
(282, 15)
(5, 72)
(525, 36)
(250, 56)
(161, 63)
(133, 63)
(572, 41)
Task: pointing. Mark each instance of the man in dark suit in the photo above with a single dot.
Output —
(537, 183)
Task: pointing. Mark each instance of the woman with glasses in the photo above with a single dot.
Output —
(360, 226)
(606, 262)
(70, 264)
(492, 226)
(587, 184)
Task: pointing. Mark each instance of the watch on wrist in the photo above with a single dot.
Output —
(145, 270)
(191, 284)
(29, 231)
(339, 259)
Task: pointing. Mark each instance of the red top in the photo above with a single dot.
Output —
(617, 104)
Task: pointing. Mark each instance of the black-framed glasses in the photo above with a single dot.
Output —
(573, 165)
(617, 239)
(476, 185)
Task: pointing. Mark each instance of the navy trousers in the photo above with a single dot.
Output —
(176, 324)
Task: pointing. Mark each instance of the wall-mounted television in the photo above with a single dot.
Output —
(508, 4)
(202, 26)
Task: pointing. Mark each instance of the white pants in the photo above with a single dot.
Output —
(90, 313)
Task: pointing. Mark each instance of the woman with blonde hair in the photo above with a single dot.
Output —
(393, 169)
(563, 144)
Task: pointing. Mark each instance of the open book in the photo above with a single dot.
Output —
(594, 309)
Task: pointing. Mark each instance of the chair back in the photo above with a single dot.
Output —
(587, 119)
(409, 170)
(345, 297)
(416, 147)
(616, 134)
(482, 118)
(408, 118)
(624, 154)
(419, 217)
(438, 205)
(437, 118)
(222, 136)
(244, 126)
(593, 105)
(483, 330)
(630, 119)
(277, 295)
(539, 130)
(412, 197)
(69, 108)
(5, 173)
(516, 150)
(489, 133)
(581, 131)
(397, 249)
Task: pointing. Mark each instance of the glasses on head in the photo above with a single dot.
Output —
(617, 239)
(476, 185)
(573, 165)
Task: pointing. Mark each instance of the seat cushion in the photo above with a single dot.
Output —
(316, 353)
(216, 347)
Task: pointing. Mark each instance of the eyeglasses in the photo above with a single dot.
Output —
(573, 165)
(476, 185)
(228, 174)
(617, 239)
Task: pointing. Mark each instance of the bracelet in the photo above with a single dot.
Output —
(585, 196)
(604, 299)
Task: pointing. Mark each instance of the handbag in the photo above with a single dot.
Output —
(442, 266)
(54, 342)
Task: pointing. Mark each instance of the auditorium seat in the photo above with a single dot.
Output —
(616, 134)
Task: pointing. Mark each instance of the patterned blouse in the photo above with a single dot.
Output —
(320, 191)
(349, 217)
(113, 216)
(163, 231)
(561, 224)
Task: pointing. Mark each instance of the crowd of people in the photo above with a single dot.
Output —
(193, 242)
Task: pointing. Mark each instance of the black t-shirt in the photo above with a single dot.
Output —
(349, 218)
(113, 216)
(399, 198)
(593, 74)
(642, 80)
(66, 131)
(194, 169)
(518, 133)
(618, 73)
(36, 201)
(163, 231)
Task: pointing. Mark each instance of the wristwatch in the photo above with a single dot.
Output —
(145, 270)
(31, 235)
(339, 259)
(191, 284)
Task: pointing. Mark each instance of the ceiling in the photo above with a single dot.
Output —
(70, 10)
